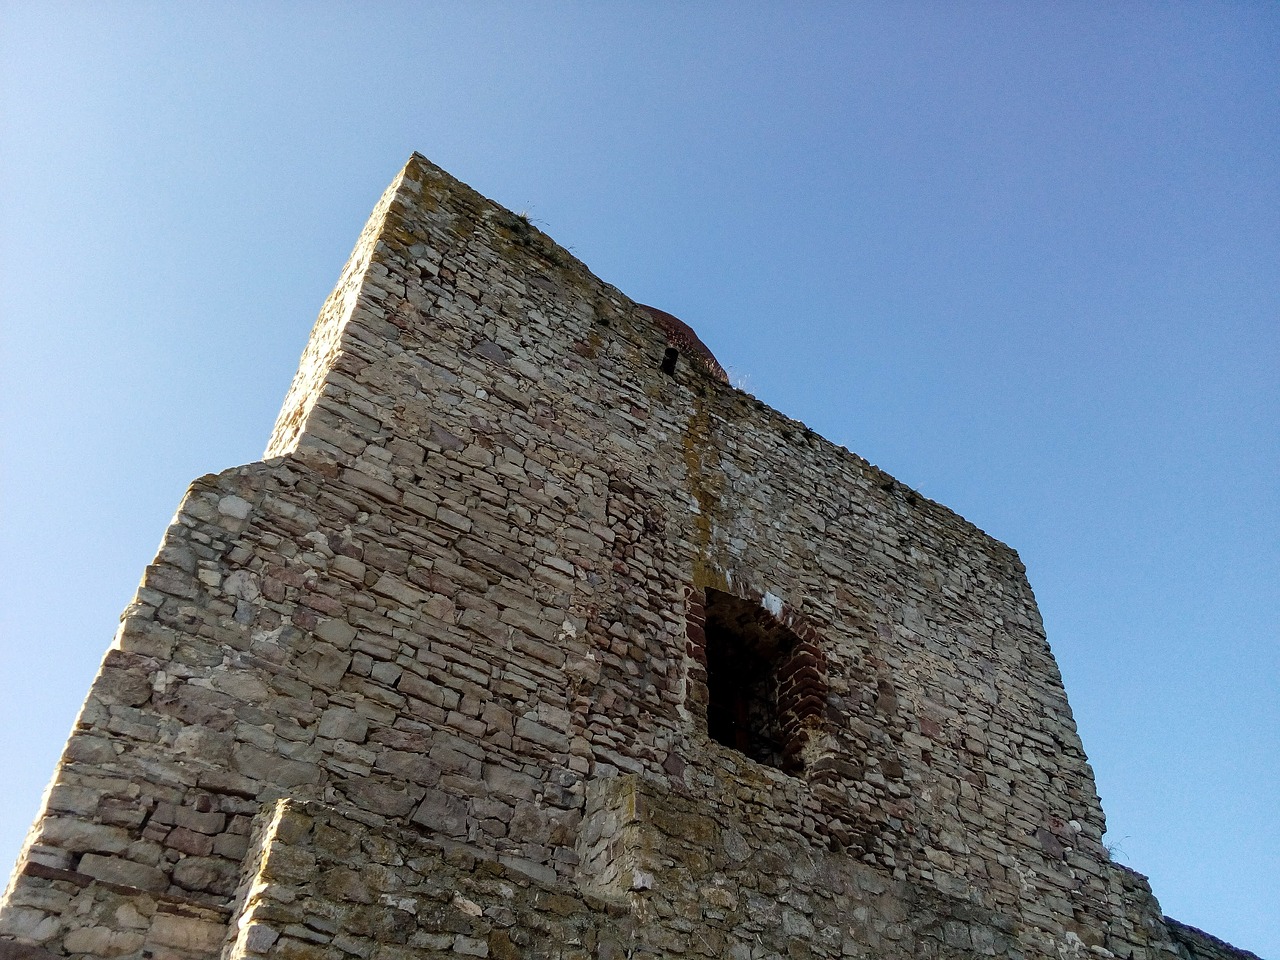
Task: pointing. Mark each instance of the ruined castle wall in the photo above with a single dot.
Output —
(414, 897)
(469, 586)
(1194, 944)
(325, 342)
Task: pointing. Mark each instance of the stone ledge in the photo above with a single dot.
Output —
(175, 903)
(1194, 944)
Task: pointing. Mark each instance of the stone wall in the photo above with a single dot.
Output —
(464, 603)
(323, 886)
(415, 897)
(1193, 944)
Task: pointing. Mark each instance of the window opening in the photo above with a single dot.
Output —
(669, 361)
(751, 689)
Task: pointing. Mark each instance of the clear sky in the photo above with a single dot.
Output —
(1022, 256)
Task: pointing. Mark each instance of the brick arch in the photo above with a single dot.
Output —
(758, 674)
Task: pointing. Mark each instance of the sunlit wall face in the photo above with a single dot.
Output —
(1024, 260)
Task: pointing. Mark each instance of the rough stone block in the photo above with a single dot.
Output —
(124, 873)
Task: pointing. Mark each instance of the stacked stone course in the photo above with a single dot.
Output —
(431, 678)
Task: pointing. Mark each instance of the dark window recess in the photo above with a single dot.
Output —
(756, 682)
(669, 361)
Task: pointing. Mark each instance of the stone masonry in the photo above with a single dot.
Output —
(531, 636)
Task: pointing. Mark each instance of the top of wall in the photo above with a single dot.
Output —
(423, 186)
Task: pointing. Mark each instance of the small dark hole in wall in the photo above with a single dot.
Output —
(669, 361)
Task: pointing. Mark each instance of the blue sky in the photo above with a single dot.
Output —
(1022, 256)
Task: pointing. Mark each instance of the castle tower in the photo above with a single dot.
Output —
(531, 636)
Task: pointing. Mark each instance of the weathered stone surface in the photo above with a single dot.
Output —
(472, 618)
(125, 873)
(1194, 944)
